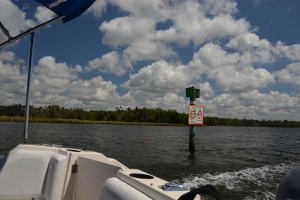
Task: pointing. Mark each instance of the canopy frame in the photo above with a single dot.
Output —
(29, 31)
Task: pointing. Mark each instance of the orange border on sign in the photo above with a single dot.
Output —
(195, 123)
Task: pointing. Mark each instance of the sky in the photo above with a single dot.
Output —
(243, 55)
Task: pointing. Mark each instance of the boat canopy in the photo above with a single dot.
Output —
(65, 9)
(70, 9)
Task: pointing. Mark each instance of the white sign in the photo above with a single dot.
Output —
(196, 113)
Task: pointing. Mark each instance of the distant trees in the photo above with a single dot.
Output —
(156, 115)
(123, 115)
(215, 121)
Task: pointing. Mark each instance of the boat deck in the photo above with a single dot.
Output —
(53, 172)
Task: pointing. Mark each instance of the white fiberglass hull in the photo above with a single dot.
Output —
(52, 172)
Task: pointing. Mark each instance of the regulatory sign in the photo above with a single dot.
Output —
(196, 115)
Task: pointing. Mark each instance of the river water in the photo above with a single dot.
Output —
(242, 162)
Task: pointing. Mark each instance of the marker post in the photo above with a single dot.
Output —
(193, 93)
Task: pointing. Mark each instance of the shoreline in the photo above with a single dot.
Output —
(77, 121)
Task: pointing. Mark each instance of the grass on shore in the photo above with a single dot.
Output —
(76, 121)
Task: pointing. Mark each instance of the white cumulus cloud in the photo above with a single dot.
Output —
(43, 14)
(13, 19)
(159, 77)
(290, 74)
(110, 63)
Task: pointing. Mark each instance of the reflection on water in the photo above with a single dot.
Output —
(192, 157)
(243, 162)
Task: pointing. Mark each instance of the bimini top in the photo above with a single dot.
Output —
(65, 9)
(68, 8)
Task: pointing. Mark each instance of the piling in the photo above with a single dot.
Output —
(193, 93)
(192, 131)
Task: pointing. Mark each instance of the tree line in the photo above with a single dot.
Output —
(120, 114)
(142, 115)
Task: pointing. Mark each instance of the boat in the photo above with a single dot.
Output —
(52, 172)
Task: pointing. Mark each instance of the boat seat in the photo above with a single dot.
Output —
(24, 173)
(114, 188)
(55, 177)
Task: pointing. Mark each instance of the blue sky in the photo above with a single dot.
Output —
(243, 55)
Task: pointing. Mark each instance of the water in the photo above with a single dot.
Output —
(242, 162)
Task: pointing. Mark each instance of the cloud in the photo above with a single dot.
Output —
(256, 50)
(206, 90)
(290, 75)
(49, 67)
(211, 57)
(291, 52)
(188, 18)
(43, 14)
(159, 77)
(94, 90)
(235, 79)
(248, 41)
(253, 49)
(110, 63)
(95, 93)
(253, 105)
(11, 80)
(168, 101)
(128, 100)
(54, 83)
(97, 8)
(227, 70)
(126, 30)
(148, 50)
(13, 19)
(273, 105)
(217, 7)
(165, 101)
(195, 28)
(9, 56)
(183, 22)
(178, 44)
(9, 72)
(52, 77)
(146, 8)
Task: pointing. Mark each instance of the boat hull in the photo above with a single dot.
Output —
(53, 172)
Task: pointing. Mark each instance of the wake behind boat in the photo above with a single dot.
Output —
(52, 172)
